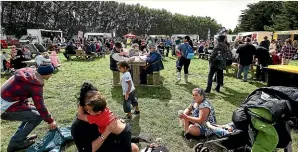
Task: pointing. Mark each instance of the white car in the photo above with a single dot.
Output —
(24, 39)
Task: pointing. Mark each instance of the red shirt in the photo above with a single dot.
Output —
(102, 120)
(275, 59)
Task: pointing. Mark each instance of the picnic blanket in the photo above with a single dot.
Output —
(52, 141)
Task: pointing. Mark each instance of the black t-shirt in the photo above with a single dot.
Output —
(265, 44)
(160, 48)
(246, 53)
(263, 56)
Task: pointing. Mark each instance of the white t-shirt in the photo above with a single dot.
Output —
(127, 77)
(40, 60)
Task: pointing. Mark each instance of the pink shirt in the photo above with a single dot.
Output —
(54, 59)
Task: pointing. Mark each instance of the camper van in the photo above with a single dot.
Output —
(259, 35)
(40, 34)
(283, 35)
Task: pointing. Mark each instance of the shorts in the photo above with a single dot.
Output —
(204, 130)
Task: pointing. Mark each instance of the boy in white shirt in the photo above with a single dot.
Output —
(128, 90)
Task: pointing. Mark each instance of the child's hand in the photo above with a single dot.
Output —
(126, 96)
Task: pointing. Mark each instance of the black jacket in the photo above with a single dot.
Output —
(219, 56)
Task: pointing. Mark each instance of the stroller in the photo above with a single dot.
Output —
(262, 123)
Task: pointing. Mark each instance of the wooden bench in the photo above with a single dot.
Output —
(154, 78)
(116, 78)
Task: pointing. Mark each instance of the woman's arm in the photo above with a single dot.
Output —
(188, 110)
(99, 141)
(81, 114)
(204, 112)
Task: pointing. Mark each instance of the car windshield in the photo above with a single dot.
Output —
(25, 37)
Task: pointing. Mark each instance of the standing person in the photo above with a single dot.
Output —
(246, 55)
(265, 43)
(183, 60)
(25, 83)
(161, 48)
(128, 89)
(287, 52)
(273, 46)
(173, 47)
(168, 45)
(264, 60)
(217, 63)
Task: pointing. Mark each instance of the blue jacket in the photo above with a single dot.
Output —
(155, 62)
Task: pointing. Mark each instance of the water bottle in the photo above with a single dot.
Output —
(180, 112)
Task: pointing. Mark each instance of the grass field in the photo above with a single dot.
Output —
(159, 105)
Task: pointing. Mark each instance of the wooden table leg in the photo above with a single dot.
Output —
(136, 74)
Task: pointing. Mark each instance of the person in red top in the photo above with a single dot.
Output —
(114, 133)
(25, 83)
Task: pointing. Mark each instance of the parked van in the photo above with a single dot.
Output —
(283, 35)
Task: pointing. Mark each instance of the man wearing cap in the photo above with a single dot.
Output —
(116, 56)
(25, 83)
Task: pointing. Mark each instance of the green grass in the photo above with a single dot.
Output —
(159, 105)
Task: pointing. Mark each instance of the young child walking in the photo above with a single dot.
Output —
(128, 90)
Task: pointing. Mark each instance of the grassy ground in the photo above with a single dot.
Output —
(159, 105)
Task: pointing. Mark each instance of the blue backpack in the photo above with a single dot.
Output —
(189, 52)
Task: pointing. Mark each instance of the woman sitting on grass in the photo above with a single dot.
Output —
(97, 128)
(197, 114)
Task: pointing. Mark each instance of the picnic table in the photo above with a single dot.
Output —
(30, 62)
(282, 75)
(136, 64)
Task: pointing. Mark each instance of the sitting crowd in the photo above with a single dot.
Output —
(17, 57)
(153, 59)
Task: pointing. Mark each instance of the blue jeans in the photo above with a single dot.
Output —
(29, 118)
(243, 69)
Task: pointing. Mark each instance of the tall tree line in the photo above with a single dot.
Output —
(100, 16)
(270, 16)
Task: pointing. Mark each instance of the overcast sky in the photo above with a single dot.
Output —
(224, 12)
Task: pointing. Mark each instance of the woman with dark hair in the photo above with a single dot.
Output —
(183, 60)
(97, 128)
